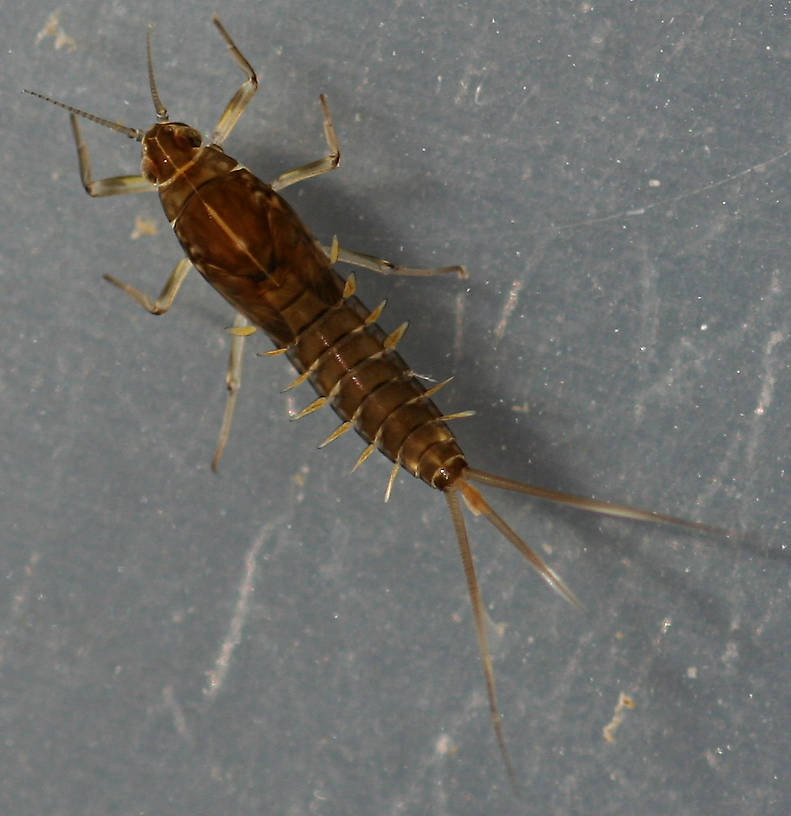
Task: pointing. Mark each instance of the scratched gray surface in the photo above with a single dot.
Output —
(616, 182)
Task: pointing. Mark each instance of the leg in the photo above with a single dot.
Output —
(315, 168)
(383, 267)
(166, 296)
(235, 108)
(335, 253)
(233, 381)
(116, 185)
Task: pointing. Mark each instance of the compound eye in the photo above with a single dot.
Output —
(194, 138)
(149, 170)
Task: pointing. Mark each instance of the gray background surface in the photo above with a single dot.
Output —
(615, 179)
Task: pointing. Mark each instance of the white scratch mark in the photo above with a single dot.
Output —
(216, 676)
(458, 335)
(766, 394)
(768, 380)
(179, 720)
(508, 310)
(760, 167)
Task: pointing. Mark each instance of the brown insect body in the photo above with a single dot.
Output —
(254, 250)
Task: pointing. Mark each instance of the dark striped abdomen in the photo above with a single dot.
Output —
(370, 385)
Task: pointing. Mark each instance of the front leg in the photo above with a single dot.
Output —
(239, 101)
